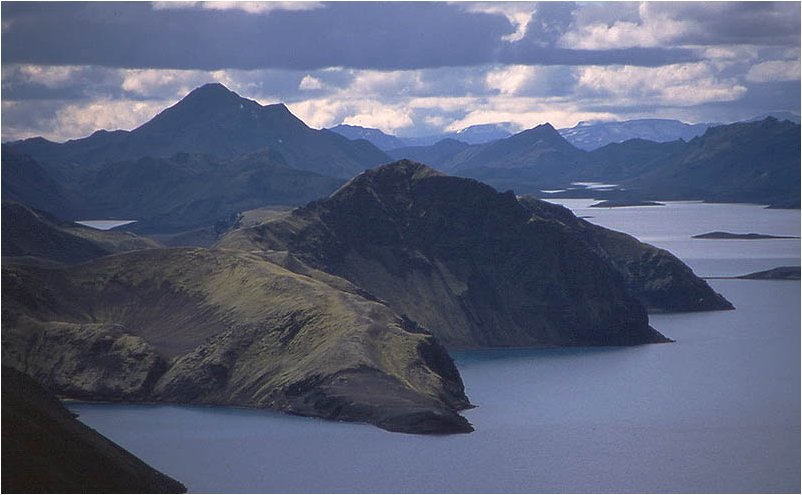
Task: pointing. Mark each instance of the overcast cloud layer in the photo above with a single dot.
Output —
(407, 68)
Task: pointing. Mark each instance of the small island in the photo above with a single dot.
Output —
(619, 203)
(750, 236)
(779, 273)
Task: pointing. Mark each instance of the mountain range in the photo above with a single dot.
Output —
(755, 162)
(585, 135)
(592, 135)
(214, 154)
(475, 134)
(215, 121)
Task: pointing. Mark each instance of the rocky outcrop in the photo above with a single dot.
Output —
(229, 328)
(46, 450)
(656, 277)
(474, 266)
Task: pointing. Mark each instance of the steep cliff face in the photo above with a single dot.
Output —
(656, 277)
(229, 328)
(472, 265)
(46, 450)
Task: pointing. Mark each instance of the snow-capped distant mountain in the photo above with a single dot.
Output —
(591, 135)
(781, 115)
(475, 134)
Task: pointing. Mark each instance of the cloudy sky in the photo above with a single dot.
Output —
(407, 68)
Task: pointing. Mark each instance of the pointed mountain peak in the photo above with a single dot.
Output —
(545, 132)
(545, 128)
(212, 94)
(214, 88)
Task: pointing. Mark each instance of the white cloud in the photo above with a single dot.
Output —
(727, 56)
(444, 103)
(526, 113)
(163, 82)
(670, 85)
(373, 82)
(82, 119)
(518, 13)
(310, 83)
(320, 112)
(51, 76)
(511, 79)
(327, 112)
(774, 71)
(249, 7)
(655, 27)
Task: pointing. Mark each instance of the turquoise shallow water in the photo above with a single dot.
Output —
(717, 411)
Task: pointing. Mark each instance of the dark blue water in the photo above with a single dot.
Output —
(717, 411)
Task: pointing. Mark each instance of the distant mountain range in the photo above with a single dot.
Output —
(211, 154)
(743, 162)
(585, 135)
(592, 135)
(215, 121)
(214, 154)
(475, 134)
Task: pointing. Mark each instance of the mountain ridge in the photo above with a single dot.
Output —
(444, 249)
(216, 121)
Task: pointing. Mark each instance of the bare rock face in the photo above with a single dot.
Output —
(474, 266)
(227, 328)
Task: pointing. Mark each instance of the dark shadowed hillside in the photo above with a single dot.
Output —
(473, 265)
(189, 191)
(26, 181)
(29, 233)
(441, 155)
(46, 450)
(744, 162)
(656, 277)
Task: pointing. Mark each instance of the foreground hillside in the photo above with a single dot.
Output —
(46, 450)
(227, 328)
(480, 268)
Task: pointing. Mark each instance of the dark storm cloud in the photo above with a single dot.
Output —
(757, 23)
(520, 53)
(358, 35)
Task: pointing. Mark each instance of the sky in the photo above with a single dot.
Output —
(411, 69)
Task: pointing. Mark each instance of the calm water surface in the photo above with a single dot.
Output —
(105, 224)
(717, 411)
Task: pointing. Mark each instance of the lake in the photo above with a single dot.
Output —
(716, 411)
(104, 224)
